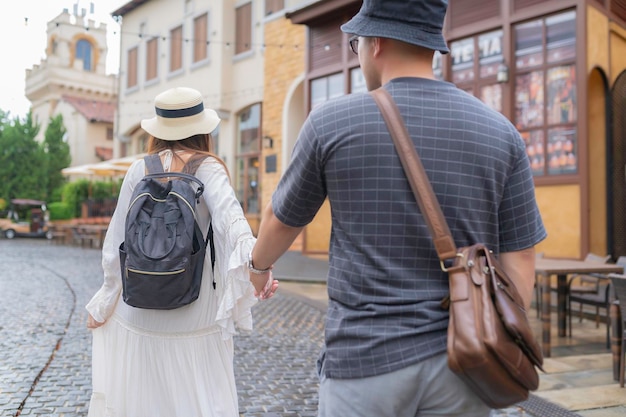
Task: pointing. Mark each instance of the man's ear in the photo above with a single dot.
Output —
(377, 45)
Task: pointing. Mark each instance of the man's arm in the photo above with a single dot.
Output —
(520, 267)
(273, 240)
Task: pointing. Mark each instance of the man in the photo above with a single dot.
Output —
(385, 353)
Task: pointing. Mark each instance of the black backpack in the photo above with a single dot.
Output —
(162, 255)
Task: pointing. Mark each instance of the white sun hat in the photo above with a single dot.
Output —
(180, 114)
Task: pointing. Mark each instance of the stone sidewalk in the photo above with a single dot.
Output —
(45, 346)
(46, 354)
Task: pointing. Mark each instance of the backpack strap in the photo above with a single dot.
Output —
(153, 164)
(192, 165)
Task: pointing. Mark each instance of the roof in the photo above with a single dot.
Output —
(27, 202)
(92, 110)
(128, 7)
(104, 153)
(322, 10)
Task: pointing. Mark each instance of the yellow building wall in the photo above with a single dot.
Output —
(560, 210)
(282, 67)
(598, 61)
(597, 163)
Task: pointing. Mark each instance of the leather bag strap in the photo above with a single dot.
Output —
(415, 173)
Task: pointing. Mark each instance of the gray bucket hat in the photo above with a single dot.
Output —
(418, 22)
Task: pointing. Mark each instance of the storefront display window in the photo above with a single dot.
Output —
(534, 150)
(529, 100)
(475, 63)
(545, 93)
(561, 94)
(490, 50)
(491, 95)
(561, 145)
(529, 44)
(561, 37)
(462, 54)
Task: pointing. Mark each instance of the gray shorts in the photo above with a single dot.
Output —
(425, 389)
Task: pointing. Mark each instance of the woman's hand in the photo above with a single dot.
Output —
(92, 323)
(264, 285)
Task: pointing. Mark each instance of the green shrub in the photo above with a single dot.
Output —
(74, 193)
(60, 211)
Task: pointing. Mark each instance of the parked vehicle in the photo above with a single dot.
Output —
(27, 218)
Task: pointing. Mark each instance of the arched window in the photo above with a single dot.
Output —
(83, 52)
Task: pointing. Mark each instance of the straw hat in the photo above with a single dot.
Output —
(418, 22)
(180, 114)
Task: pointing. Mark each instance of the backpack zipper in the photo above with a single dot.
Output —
(137, 271)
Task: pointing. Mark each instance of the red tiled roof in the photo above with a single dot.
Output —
(104, 153)
(93, 110)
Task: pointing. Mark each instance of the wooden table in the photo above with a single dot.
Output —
(545, 268)
(91, 233)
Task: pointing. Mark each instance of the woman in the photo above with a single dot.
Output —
(177, 362)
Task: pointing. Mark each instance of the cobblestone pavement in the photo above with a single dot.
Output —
(45, 368)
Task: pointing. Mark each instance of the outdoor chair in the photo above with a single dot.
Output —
(538, 255)
(619, 284)
(594, 290)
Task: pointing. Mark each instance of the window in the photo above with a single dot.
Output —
(545, 93)
(109, 134)
(325, 88)
(200, 38)
(176, 49)
(152, 54)
(438, 65)
(131, 76)
(243, 28)
(273, 6)
(248, 154)
(474, 67)
(83, 52)
(357, 81)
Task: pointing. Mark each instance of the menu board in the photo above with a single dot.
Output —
(529, 100)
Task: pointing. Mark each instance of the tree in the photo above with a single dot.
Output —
(57, 154)
(22, 159)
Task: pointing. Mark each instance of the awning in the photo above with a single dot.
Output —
(110, 168)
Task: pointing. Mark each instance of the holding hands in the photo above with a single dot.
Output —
(264, 284)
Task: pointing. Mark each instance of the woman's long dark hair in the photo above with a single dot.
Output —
(197, 144)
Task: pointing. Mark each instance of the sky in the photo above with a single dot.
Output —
(23, 40)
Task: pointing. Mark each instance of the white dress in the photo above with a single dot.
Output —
(174, 363)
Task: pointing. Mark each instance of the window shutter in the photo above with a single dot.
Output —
(151, 58)
(243, 28)
(200, 30)
(131, 76)
(466, 12)
(176, 49)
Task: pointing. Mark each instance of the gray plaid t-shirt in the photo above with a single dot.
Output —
(385, 284)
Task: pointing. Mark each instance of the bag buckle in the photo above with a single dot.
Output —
(442, 262)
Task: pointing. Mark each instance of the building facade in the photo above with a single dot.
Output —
(72, 82)
(216, 47)
(555, 68)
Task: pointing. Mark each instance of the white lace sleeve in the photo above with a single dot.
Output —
(233, 242)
